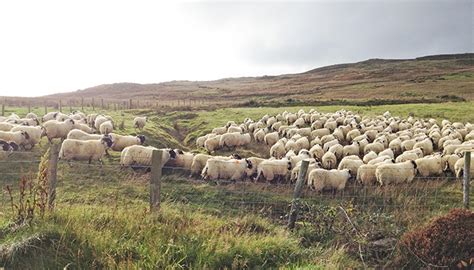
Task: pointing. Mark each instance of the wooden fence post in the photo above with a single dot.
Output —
(53, 173)
(155, 181)
(467, 178)
(295, 203)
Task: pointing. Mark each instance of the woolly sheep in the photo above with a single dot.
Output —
(18, 137)
(317, 152)
(56, 129)
(320, 179)
(426, 146)
(387, 152)
(211, 144)
(273, 169)
(396, 146)
(329, 160)
(429, 166)
(31, 115)
(352, 149)
(396, 173)
(140, 122)
(337, 149)
(122, 141)
(78, 134)
(233, 169)
(259, 135)
(379, 159)
(296, 171)
(320, 132)
(234, 139)
(138, 155)
(449, 162)
(182, 160)
(49, 116)
(376, 147)
(459, 168)
(106, 127)
(200, 140)
(99, 120)
(406, 156)
(4, 126)
(83, 127)
(271, 138)
(84, 150)
(351, 164)
(278, 150)
(232, 129)
(35, 133)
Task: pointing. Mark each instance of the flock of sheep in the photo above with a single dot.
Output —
(339, 146)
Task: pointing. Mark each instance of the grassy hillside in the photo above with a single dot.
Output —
(102, 219)
(425, 79)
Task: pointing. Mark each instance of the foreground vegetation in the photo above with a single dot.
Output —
(102, 219)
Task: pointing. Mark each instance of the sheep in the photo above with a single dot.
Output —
(351, 164)
(84, 150)
(234, 139)
(352, 149)
(199, 162)
(233, 129)
(61, 117)
(320, 179)
(320, 132)
(200, 140)
(273, 169)
(331, 125)
(31, 115)
(211, 144)
(429, 166)
(426, 146)
(83, 127)
(271, 138)
(99, 120)
(56, 129)
(18, 137)
(329, 160)
(219, 130)
(406, 156)
(450, 161)
(106, 127)
(303, 143)
(376, 147)
(328, 145)
(327, 138)
(49, 116)
(139, 122)
(459, 168)
(366, 174)
(396, 146)
(417, 151)
(337, 149)
(379, 159)
(396, 173)
(28, 122)
(77, 134)
(182, 160)
(138, 155)
(226, 169)
(296, 171)
(352, 134)
(317, 152)
(255, 163)
(299, 123)
(278, 150)
(35, 133)
(4, 126)
(408, 144)
(259, 135)
(387, 152)
(122, 141)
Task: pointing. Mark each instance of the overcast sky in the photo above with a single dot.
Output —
(58, 46)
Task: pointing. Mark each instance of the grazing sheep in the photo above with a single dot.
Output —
(303, 143)
(278, 150)
(18, 137)
(140, 122)
(83, 127)
(28, 122)
(366, 174)
(376, 147)
(259, 135)
(234, 139)
(449, 162)
(296, 171)
(426, 146)
(337, 149)
(138, 155)
(233, 169)
(84, 150)
(56, 129)
(429, 166)
(273, 169)
(212, 144)
(320, 179)
(106, 127)
(122, 141)
(78, 134)
(35, 133)
(200, 140)
(396, 146)
(329, 160)
(351, 163)
(459, 168)
(396, 173)
(271, 138)
(320, 133)
(408, 144)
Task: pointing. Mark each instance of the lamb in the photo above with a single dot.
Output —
(35, 133)
(226, 169)
(429, 166)
(329, 160)
(106, 127)
(84, 150)
(56, 129)
(138, 155)
(320, 179)
(271, 138)
(122, 141)
(273, 169)
(140, 122)
(396, 173)
(351, 163)
(18, 137)
(211, 144)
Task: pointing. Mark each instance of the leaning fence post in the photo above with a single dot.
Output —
(53, 170)
(295, 203)
(155, 181)
(467, 178)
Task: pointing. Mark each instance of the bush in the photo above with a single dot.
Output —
(445, 241)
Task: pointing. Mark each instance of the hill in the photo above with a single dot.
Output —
(441, 77)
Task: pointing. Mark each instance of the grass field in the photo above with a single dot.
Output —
(102, 218)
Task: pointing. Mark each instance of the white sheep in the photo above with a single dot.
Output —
(31, 115)
(106, 127)
(5, 126)
(376, 147)
(278, 150)
(122, 141)
(49, 116)
(182, 160)
(396, 173)
(259, 135)
(329, 160)
(352, 149)
(219, 130)
(273, 169)
(271, 138)
(406, 156)
(56, 129)
(212, 144)
(140, 122)
(429, 165)
(425, 145)
(233, 169)
(35, 133)
(387, 152)
(78, 134)
(138, 155)
(320, 179)
(459, 168)
(352, 163)
(317, 152)
(84, 150)
(18, 137)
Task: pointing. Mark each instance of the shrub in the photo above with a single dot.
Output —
(445, 241)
